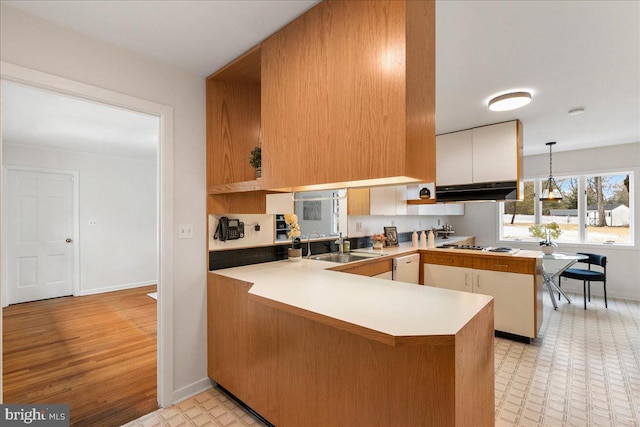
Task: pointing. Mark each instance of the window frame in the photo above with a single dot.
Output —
(582, 209)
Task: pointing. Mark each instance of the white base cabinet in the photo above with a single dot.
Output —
(517, 295)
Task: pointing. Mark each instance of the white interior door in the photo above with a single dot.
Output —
(39, 235)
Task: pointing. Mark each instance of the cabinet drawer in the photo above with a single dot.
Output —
(447, 259)
(525, 266)
(369, 268)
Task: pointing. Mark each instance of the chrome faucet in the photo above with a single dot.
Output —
(309, 242)
(340, 242)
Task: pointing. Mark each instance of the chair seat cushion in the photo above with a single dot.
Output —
(580, 274)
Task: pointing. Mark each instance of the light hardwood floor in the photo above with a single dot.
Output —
(96, 353)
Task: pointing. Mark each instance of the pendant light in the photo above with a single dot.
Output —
(551, 192)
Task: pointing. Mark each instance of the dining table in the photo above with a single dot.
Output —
(565, 261)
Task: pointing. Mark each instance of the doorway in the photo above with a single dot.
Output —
(40, 232)
(46, 81)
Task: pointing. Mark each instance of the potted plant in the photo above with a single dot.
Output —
(378, 240)
(256, 160)
(295, 251)
(546, 232)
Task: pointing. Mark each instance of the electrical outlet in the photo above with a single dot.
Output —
(358, 226)
(393, 223)
(185, 231)
(439, 224)
(93, 222)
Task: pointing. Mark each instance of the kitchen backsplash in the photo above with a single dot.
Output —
(248, 256)
(252, 238)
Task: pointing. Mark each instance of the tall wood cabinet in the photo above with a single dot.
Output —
(343, 96)
(348, 96)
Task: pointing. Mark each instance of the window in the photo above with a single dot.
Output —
(564, 212)
(608, 209)
(335, 213)
(519, 216)
(595, 209)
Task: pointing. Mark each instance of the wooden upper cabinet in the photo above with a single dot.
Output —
(233, 124)
(348, 96)
(233, 130)
(358, 201)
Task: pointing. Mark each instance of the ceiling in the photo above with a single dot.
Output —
(569, 54)
(40, 118)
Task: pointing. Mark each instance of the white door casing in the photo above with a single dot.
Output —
(18, 74)
(41, 225)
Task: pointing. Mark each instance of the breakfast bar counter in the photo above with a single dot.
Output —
(304, 345)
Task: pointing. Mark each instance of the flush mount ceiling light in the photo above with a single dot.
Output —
(509, 101)
(551, 191)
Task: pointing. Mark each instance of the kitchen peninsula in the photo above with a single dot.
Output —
(304, 345)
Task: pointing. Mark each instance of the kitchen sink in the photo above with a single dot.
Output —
(341, 258)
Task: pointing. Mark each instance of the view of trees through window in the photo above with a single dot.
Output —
(519, 216)
(608, 209)
(604, 201)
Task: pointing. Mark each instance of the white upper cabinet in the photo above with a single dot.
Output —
(279, 203)
(454, 158)
(495, 152)
(484, 154)
(389, 200)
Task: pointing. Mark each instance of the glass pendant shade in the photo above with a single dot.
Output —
(551, 190)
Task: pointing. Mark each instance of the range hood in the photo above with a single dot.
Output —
(483, 191)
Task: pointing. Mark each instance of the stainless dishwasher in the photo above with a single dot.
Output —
(407, 268)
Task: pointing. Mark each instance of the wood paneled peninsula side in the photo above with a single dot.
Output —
(304, 345)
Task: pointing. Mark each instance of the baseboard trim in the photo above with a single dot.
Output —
(191, 390)
(115, 288)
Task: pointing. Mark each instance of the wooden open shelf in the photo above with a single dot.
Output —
(235, 187)
(422, 202)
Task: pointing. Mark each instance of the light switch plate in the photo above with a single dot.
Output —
(185, 231)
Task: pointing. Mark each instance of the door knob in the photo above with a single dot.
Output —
(68, 240)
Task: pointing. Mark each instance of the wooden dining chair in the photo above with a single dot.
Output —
(588, 275)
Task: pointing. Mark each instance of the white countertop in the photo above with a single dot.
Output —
(390, 307)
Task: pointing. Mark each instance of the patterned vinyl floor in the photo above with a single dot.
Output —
(584, 371)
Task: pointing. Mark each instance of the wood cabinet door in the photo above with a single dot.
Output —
(388, 275)
(495, 152)
(348, 80)
(453, 158)
(358, 201)
(513, 295)
(442, 276)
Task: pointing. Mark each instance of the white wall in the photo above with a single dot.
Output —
(40, 45)
(120, 194)
(623, 268)
(372, 224)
